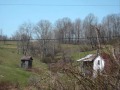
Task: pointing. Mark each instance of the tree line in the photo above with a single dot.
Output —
(66, 28)
(65, 31)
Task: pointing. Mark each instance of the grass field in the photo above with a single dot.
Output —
(10, 63)
(10, 70)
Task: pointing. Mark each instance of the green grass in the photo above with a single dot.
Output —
(8, 44)
(10, 62)
(10, 65)
(75, 51)
(14, 75)
(10, 69)
(78, 55)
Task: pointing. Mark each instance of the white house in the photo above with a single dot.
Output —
(92, 64)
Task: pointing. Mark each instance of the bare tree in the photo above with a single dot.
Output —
(90, 21)
(43, 33)
(4, 38)
(42, 29)
(78, 29)
(1, 34)
(23, 35)
(59, 30)
(65, 29)
(111, 25)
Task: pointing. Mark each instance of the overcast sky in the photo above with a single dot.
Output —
(15, 12)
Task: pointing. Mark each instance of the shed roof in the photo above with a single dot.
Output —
(26, 58)
(89, 57)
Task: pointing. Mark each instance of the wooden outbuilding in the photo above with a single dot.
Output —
(92, 64)
(26, 62)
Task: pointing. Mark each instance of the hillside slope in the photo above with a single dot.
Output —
(10, 70)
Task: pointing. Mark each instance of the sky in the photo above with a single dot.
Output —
(13, 13)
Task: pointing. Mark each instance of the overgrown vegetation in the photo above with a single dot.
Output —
(62, 74)
(55, 51)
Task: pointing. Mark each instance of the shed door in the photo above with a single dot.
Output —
(26, 64)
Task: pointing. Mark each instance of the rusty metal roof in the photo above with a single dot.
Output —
(25, 58)
(89, 57)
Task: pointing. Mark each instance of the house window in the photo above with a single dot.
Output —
(98, 62)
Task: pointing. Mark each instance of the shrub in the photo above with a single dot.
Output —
(47, 60)
(7, 85)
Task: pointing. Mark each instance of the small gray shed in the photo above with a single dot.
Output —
(26, 62)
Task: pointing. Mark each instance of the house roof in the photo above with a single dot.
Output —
(89, 57)
(26, 58)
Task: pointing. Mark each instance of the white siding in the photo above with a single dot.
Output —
(98, 65)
